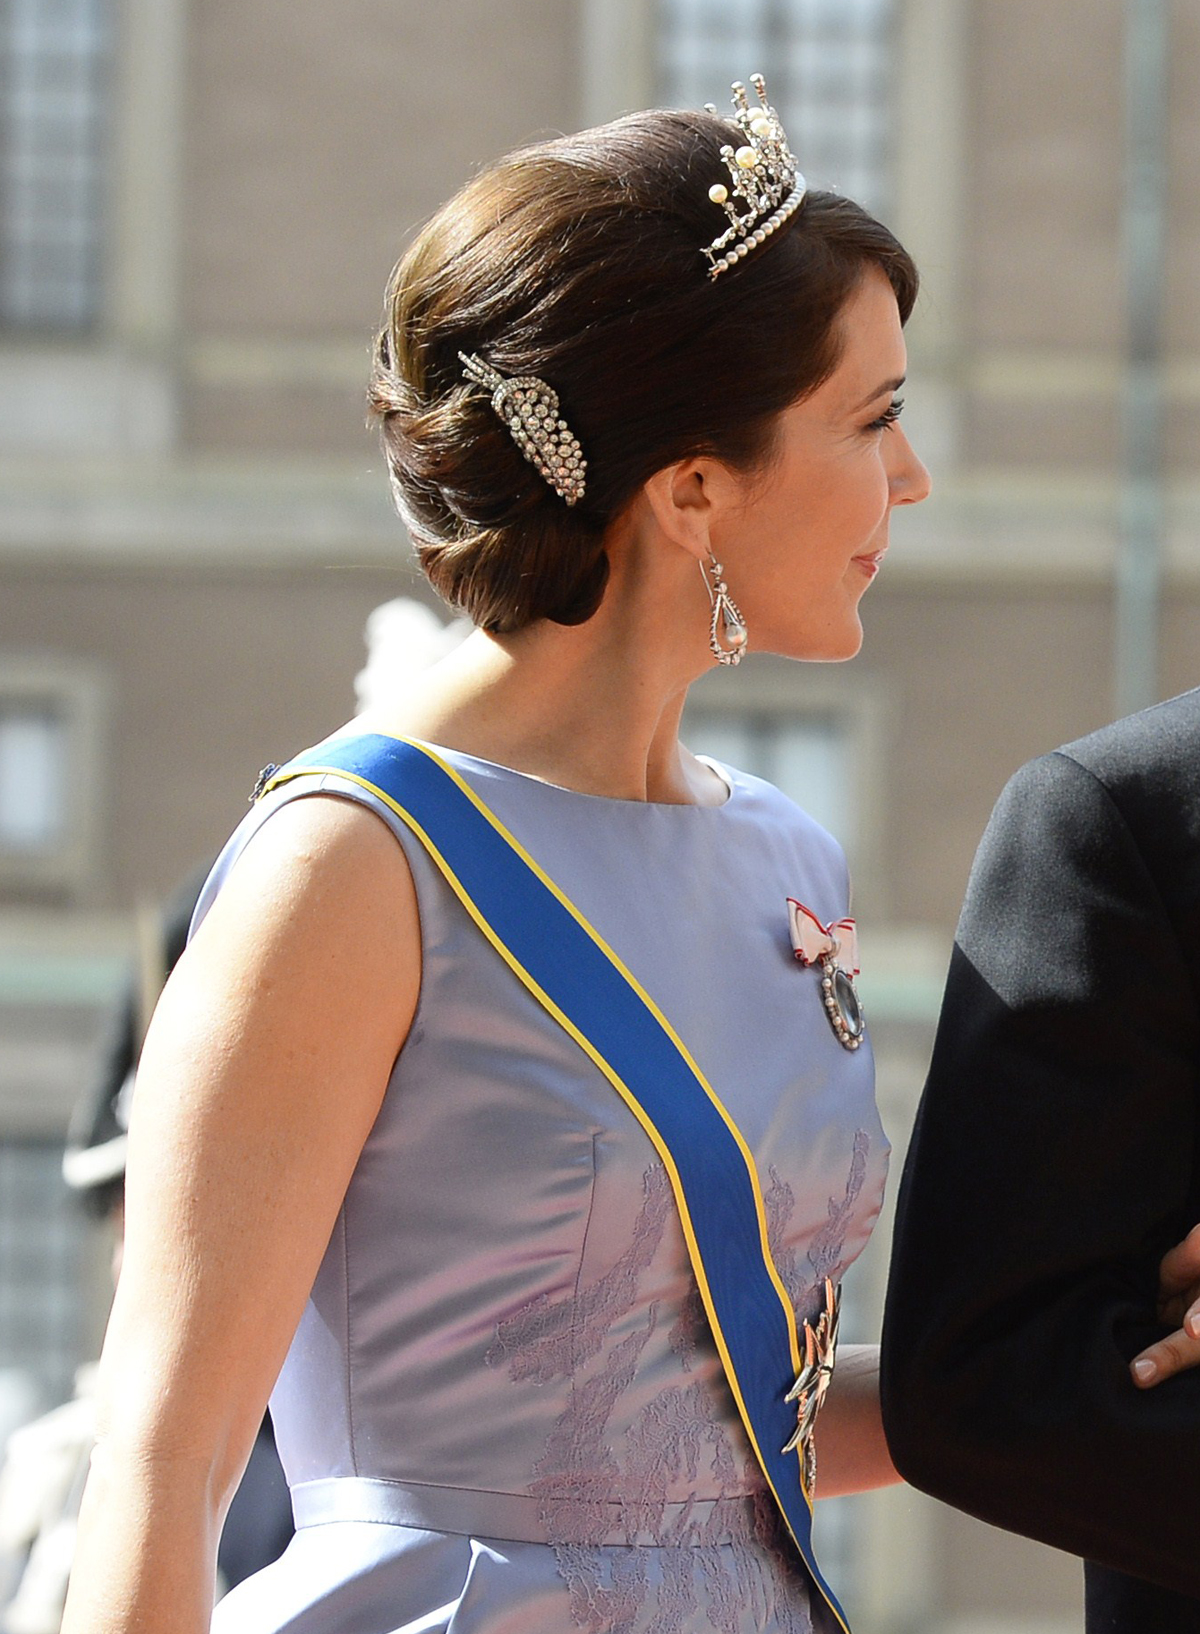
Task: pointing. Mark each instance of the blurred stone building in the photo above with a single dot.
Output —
(199, 205)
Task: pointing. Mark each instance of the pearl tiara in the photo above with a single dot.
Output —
(765, 188)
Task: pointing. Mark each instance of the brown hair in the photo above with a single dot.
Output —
(579, 261)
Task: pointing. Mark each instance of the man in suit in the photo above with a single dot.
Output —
(1055, 1161)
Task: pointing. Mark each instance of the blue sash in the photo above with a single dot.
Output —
(582, 983)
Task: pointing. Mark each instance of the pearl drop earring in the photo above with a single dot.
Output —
(727, 621)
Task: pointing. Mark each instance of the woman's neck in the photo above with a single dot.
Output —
(594, 707)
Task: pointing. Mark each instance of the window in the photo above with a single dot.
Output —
(807, 757)
(817, 734)
(42, 1234)
(33, 776)
(829, 71)
(52, 94)
(50, 724)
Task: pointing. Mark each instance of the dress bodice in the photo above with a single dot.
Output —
(506, 1313)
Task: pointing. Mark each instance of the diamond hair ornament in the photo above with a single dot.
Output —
(529, 408)
(765, 186)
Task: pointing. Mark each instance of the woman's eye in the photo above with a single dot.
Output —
(889, 416)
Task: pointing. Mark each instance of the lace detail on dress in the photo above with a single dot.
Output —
(712, 1561)
(690, 1332)
(550, 1338)
(779, 1201)
(793, 1614)
(825, 1252)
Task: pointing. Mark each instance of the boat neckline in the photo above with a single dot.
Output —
(725, 773)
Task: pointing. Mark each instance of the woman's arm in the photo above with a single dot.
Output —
(261, 1076)
(852, 1455)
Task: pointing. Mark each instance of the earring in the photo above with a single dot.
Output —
(727, 621)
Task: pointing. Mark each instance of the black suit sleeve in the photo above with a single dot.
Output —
(1053, 1162)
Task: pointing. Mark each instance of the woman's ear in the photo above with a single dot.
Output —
(688, 500)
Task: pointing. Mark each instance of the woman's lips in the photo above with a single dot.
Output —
(870, 563)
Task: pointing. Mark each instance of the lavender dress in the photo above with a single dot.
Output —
(502, 1412)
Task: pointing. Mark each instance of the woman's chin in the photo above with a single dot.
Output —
(833, 646)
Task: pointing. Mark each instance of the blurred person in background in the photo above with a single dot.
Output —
(45, 1463)
(638, 394)
(1041, 1323)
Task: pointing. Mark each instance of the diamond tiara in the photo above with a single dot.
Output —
(766, 186)
(529, 408)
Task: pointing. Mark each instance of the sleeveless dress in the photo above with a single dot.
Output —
(502, 1412)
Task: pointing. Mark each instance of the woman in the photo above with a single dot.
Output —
(363, 1151)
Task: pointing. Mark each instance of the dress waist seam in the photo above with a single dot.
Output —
(517, 1517)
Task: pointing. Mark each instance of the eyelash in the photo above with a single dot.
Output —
(889, 416)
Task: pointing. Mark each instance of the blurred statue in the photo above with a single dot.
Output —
(403, 638)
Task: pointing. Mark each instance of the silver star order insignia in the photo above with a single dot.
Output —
(812, 1381)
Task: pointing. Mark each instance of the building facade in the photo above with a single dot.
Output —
(200, 205)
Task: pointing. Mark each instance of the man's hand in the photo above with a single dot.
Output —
(1178, 1303)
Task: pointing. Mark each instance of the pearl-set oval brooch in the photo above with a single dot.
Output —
(833, 950)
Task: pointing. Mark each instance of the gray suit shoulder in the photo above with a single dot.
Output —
(1159, 746)
(1143, 767)
(1134, 784)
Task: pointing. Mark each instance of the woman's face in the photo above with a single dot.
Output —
(811, 531)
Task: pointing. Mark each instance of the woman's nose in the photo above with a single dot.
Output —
(910, 481)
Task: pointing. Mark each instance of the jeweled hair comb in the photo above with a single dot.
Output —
(529, 408)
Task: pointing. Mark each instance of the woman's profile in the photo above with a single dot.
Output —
(510, 1118)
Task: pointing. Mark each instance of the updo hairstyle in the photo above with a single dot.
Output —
(579, 260)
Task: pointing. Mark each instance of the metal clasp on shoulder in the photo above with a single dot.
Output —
(264, 777)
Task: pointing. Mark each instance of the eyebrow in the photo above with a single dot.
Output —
(888, 386)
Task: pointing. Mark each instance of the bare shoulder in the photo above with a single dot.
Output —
(261, 1077)
(315, 853)
(318, 921)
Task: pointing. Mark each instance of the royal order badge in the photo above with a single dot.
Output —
(812, 1381)
(833, 950)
